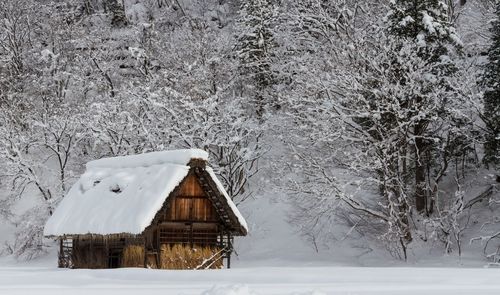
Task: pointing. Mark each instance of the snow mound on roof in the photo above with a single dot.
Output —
(115, 200)
(179, 157)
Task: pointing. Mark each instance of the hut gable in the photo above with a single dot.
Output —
(191, 203)
(126, 195)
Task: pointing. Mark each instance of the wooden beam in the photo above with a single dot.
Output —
(229, 250)
(145, 252)
(158, 248)
(61, 253)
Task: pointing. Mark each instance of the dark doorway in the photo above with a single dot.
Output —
(114, 260)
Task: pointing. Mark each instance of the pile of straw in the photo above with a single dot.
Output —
(133, 256)
(180, 256)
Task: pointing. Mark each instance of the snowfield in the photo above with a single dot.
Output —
(243, 281)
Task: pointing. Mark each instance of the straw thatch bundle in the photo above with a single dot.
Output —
(133, 256)
(180, 256)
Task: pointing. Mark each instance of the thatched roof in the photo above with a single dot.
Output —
(122, 195)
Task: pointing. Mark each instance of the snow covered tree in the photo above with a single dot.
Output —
(44, 121)
(424, 24)
(381, 121)
(491, 114)
(15, 33)
(39, 150)
(254, 48)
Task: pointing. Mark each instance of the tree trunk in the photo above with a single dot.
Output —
(119, 19)
(420, 169)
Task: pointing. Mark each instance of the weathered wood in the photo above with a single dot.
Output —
(190, 203)
(191, 187)
(145, 254)
(230, 249)
(158, 250)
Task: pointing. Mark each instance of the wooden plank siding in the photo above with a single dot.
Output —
(191, 187)
(190, 204)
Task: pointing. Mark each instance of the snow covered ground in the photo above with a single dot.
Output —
(243, 281)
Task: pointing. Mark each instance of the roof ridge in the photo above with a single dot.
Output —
(178, 157)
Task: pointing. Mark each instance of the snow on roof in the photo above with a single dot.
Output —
(123, 194)
(231, 204)
(179, 157)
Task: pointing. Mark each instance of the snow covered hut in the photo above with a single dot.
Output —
(160, 210)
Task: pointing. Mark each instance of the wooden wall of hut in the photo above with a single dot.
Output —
(98, 252)
(190, 204)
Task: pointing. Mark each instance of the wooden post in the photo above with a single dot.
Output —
(158, 248)
(191, 228)
(61, 253)
(145, 251)
(106, 250)
(229, 251)
(221, 239)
